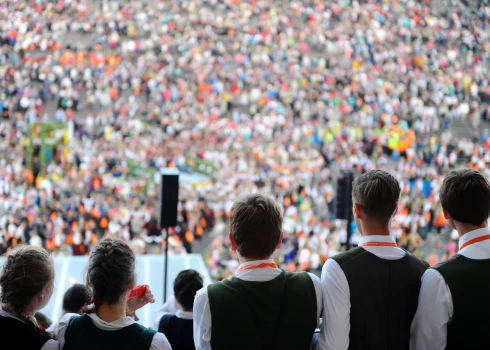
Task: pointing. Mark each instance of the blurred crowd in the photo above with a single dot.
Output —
(253, 95)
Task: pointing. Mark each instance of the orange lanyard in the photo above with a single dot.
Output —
(474, 240)
(259, 266)
(378, 244)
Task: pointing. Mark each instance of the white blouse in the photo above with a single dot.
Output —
(159, 342)
(49, 345)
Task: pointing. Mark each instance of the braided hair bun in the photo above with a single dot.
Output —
(110, 271)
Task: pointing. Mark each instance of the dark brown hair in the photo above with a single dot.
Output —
(186, 285)
(27, 270)
(43, 320)
(465, 194)
(110, 271)
(377, 192)
(256, 225)
(76, 297)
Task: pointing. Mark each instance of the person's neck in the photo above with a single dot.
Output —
(465, 228)
(374, 229)
(243, 259)
(111, 313)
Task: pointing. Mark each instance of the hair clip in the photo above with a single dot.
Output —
(95, 301)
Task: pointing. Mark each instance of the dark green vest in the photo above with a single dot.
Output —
(469, 283)
(383, 296)
(82, 334)
(20, 335)
(276, 314)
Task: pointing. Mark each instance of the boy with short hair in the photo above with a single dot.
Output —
(370, 293)
(75, 298)
(453, 304)
(263, 307)
(178, 328)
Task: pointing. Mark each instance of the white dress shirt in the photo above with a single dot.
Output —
(159, 341)
(202, 310)
(171, 307)
(429, 326)
(334, 334)
(49, 345)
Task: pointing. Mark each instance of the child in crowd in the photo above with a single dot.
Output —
(43, 321)
(75, 298)
(178, 328)
(27, 283)
(263, 307)
(370, 292)
(107, 322)
(453, 303)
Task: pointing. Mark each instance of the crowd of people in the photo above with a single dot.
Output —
(257, 95)
(375, 296)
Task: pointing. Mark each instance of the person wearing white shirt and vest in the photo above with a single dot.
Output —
(178, 327)
(27, 284)
(370, 292)
(108, 322)
(453, 310)
(263, 307)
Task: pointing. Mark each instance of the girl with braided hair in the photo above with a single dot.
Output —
(107, 322)
(27, 283)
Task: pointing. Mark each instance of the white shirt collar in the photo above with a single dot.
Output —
(186, 315)
(255, 262)
(4, 313)
(110, 326)
(377, 238)
(473, 234)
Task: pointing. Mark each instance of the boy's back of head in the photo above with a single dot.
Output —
(186, 285)
(465, 195)
(75, 298)
(256, 225)
(377, 192)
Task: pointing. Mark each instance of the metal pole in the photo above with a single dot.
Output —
(348, 207)
(165, 269)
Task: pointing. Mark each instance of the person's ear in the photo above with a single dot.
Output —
(394, 212)
(449, 219)
(234, 246)
(357, 211)
(131, 285)
(279, 244)
(447, 216)
(44, 293)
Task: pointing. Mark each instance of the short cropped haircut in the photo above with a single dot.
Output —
(377, 192)
(186, 285)
(465, 194)
(75, 298)
(256, 225)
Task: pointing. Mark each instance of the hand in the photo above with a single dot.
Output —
(138, 302)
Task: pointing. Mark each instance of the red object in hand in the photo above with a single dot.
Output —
(137, 291)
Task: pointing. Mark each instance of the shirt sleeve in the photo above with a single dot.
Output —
(59, 334)
(51, 345)
(160, 342)
(435, 309)
(335, 328)
(202, 321)
(318, 291)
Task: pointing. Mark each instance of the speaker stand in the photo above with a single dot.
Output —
(165, 267)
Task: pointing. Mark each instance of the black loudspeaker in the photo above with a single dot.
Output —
(169, 197)
(344, 196)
